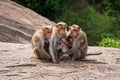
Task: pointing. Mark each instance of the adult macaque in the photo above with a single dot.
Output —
(41, 43)
(58, 32)
(79, 45)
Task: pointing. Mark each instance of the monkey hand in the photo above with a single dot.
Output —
(70, 51)
(60, 46)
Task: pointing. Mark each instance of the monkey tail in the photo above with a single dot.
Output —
(96, 53)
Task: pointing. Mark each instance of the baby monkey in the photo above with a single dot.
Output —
(62, 47)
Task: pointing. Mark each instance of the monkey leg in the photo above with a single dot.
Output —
(82, 51)
(71, 53)
(83, 55)
(40, 55)
(57, 56)
(36, 52)
(77, 55)
(71, 56)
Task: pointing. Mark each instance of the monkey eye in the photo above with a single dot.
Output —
(49, 29)
(75, 30)
(49, 32)
(62, 28)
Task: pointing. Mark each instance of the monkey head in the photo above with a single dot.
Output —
(74, 30)
(61, 27)
(64, 40)
(47, 31)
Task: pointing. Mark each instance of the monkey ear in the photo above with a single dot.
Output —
(43, 29)
(80, 28)
(70, 27)
(56, 25)
(66, 25)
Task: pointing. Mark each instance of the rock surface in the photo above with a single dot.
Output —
(17, 23)
(17, 62)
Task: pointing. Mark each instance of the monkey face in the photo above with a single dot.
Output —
(74, 32)
(61, 29)
(64, 41)
(61, 26)
(48, 34)
(47, 31)
(74, 29)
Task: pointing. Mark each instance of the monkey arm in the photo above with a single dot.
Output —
(35, 46)
(76, 43)
(38, 48)
(71, 51)
(60, 46)
(35, 41)
(81, 42)
(52, 52)
(84, 44)
(43, 53)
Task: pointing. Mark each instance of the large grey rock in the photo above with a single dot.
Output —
(17, 23)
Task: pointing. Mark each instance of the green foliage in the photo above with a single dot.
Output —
(47, 8)
(56, 5)
(113, 4)
(91, 22)
(109, 41)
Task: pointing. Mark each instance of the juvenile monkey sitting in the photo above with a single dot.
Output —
(41, 43)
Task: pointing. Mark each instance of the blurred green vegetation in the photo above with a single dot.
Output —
(108, 40)
(48, 8)
(91, 22)
(100, 19)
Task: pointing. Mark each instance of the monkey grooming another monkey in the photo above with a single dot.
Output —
(41, 43)
(58, 31)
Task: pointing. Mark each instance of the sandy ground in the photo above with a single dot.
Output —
(17, 62)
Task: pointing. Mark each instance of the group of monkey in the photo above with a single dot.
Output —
(51, 43)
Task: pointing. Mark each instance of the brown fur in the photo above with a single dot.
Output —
(55, 36)
(37, 44)
(79, 47)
